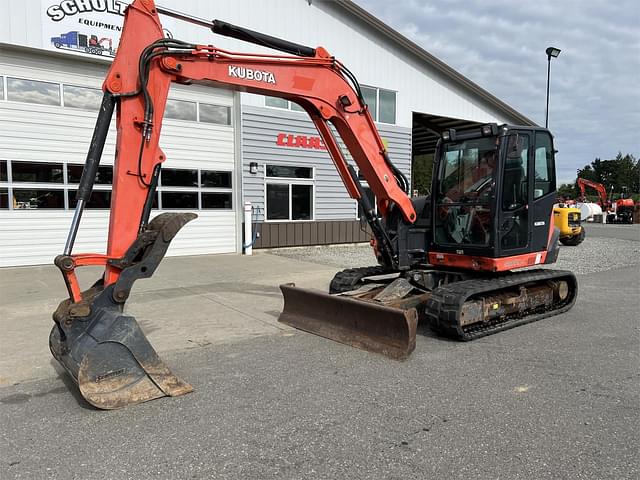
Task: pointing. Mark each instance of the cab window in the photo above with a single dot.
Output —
(544, 168)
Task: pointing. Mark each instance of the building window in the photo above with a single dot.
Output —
(1, 88)
(104, 175)
(4, 198)
(387, 110)
(32, 91)
(289, 193)
(284, 171)
(180, 200)
(277, 102)
(82, 97)
(3, 171)
(174, 177)
(213, 179)
(37, 172)
(37, 198)
(382, 104)
(181, 110)
(216, 200)
(218, 114)
(99, 199)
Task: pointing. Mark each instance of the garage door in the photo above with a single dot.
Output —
(47, 112)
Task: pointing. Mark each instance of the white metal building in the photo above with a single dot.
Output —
(53, 57)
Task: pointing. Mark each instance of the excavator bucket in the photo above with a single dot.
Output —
(361, 324)
(112, 362)
(105, 350)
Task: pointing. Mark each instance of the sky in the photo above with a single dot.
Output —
(594, 106)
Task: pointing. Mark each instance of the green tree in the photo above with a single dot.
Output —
(619, 174)
(421, 170)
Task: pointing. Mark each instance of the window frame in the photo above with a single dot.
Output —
(288, 108)
(69, 188)
(376, 118)
(289, 181)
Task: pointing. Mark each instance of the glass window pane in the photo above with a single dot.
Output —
(1, 88)
(179, 200)
(283, 171)
(516, 185)
(387, 106)
(277, 202)
(31, 91)
(181, 110)
(276, 102)
(544, 166)
(215, 114)
(4, 198)
(210, 178)
(173, 177)
(216, 200)
(301, 202)
(82, 97)
(3, 171)
(295, 107)
(30, 198)
(99, 199)
(369, 95)
(104, 175)
(37, 172)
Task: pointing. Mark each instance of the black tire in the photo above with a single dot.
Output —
(57, 44)
(351, 278)
(575, 240)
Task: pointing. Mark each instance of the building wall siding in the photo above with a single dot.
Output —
(260, 129)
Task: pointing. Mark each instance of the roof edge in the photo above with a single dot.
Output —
(359, 12)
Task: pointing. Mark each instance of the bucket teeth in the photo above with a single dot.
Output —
(365, 325)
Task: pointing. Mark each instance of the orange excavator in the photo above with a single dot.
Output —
(447, 259)
(622, 207)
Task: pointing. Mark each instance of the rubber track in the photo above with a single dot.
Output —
(349, 279)
(444, 307)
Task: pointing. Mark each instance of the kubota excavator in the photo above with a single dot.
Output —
(447, 258)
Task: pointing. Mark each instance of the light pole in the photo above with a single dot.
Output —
(551, 52)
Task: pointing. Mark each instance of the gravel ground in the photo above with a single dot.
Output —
(595, 254)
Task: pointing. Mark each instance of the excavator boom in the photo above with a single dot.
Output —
(105, 350)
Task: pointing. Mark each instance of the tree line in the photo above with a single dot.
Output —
(618, 175)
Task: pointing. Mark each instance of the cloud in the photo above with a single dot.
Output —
(594, 108)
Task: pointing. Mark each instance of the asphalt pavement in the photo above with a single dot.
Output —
(559, 398)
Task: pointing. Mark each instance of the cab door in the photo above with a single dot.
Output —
(544, 190)
(514, 222)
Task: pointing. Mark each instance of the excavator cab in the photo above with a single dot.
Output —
(493, 189)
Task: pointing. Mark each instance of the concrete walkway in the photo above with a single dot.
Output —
(190, 302)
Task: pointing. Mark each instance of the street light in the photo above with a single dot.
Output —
(551, 52)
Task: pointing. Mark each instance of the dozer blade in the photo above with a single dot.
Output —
(362, 324)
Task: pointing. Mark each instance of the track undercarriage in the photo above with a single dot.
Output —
(457, 304)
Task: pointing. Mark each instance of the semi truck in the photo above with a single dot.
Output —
(85, 43)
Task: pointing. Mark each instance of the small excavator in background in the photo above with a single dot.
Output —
(446, 259)
(616, 211)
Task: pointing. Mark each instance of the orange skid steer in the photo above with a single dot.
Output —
(444, 259)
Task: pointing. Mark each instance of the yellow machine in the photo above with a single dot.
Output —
(567, 219)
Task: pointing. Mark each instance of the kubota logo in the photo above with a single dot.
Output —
(250, 74)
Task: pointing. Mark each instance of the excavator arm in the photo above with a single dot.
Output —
(598, 187)
(104, 350)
